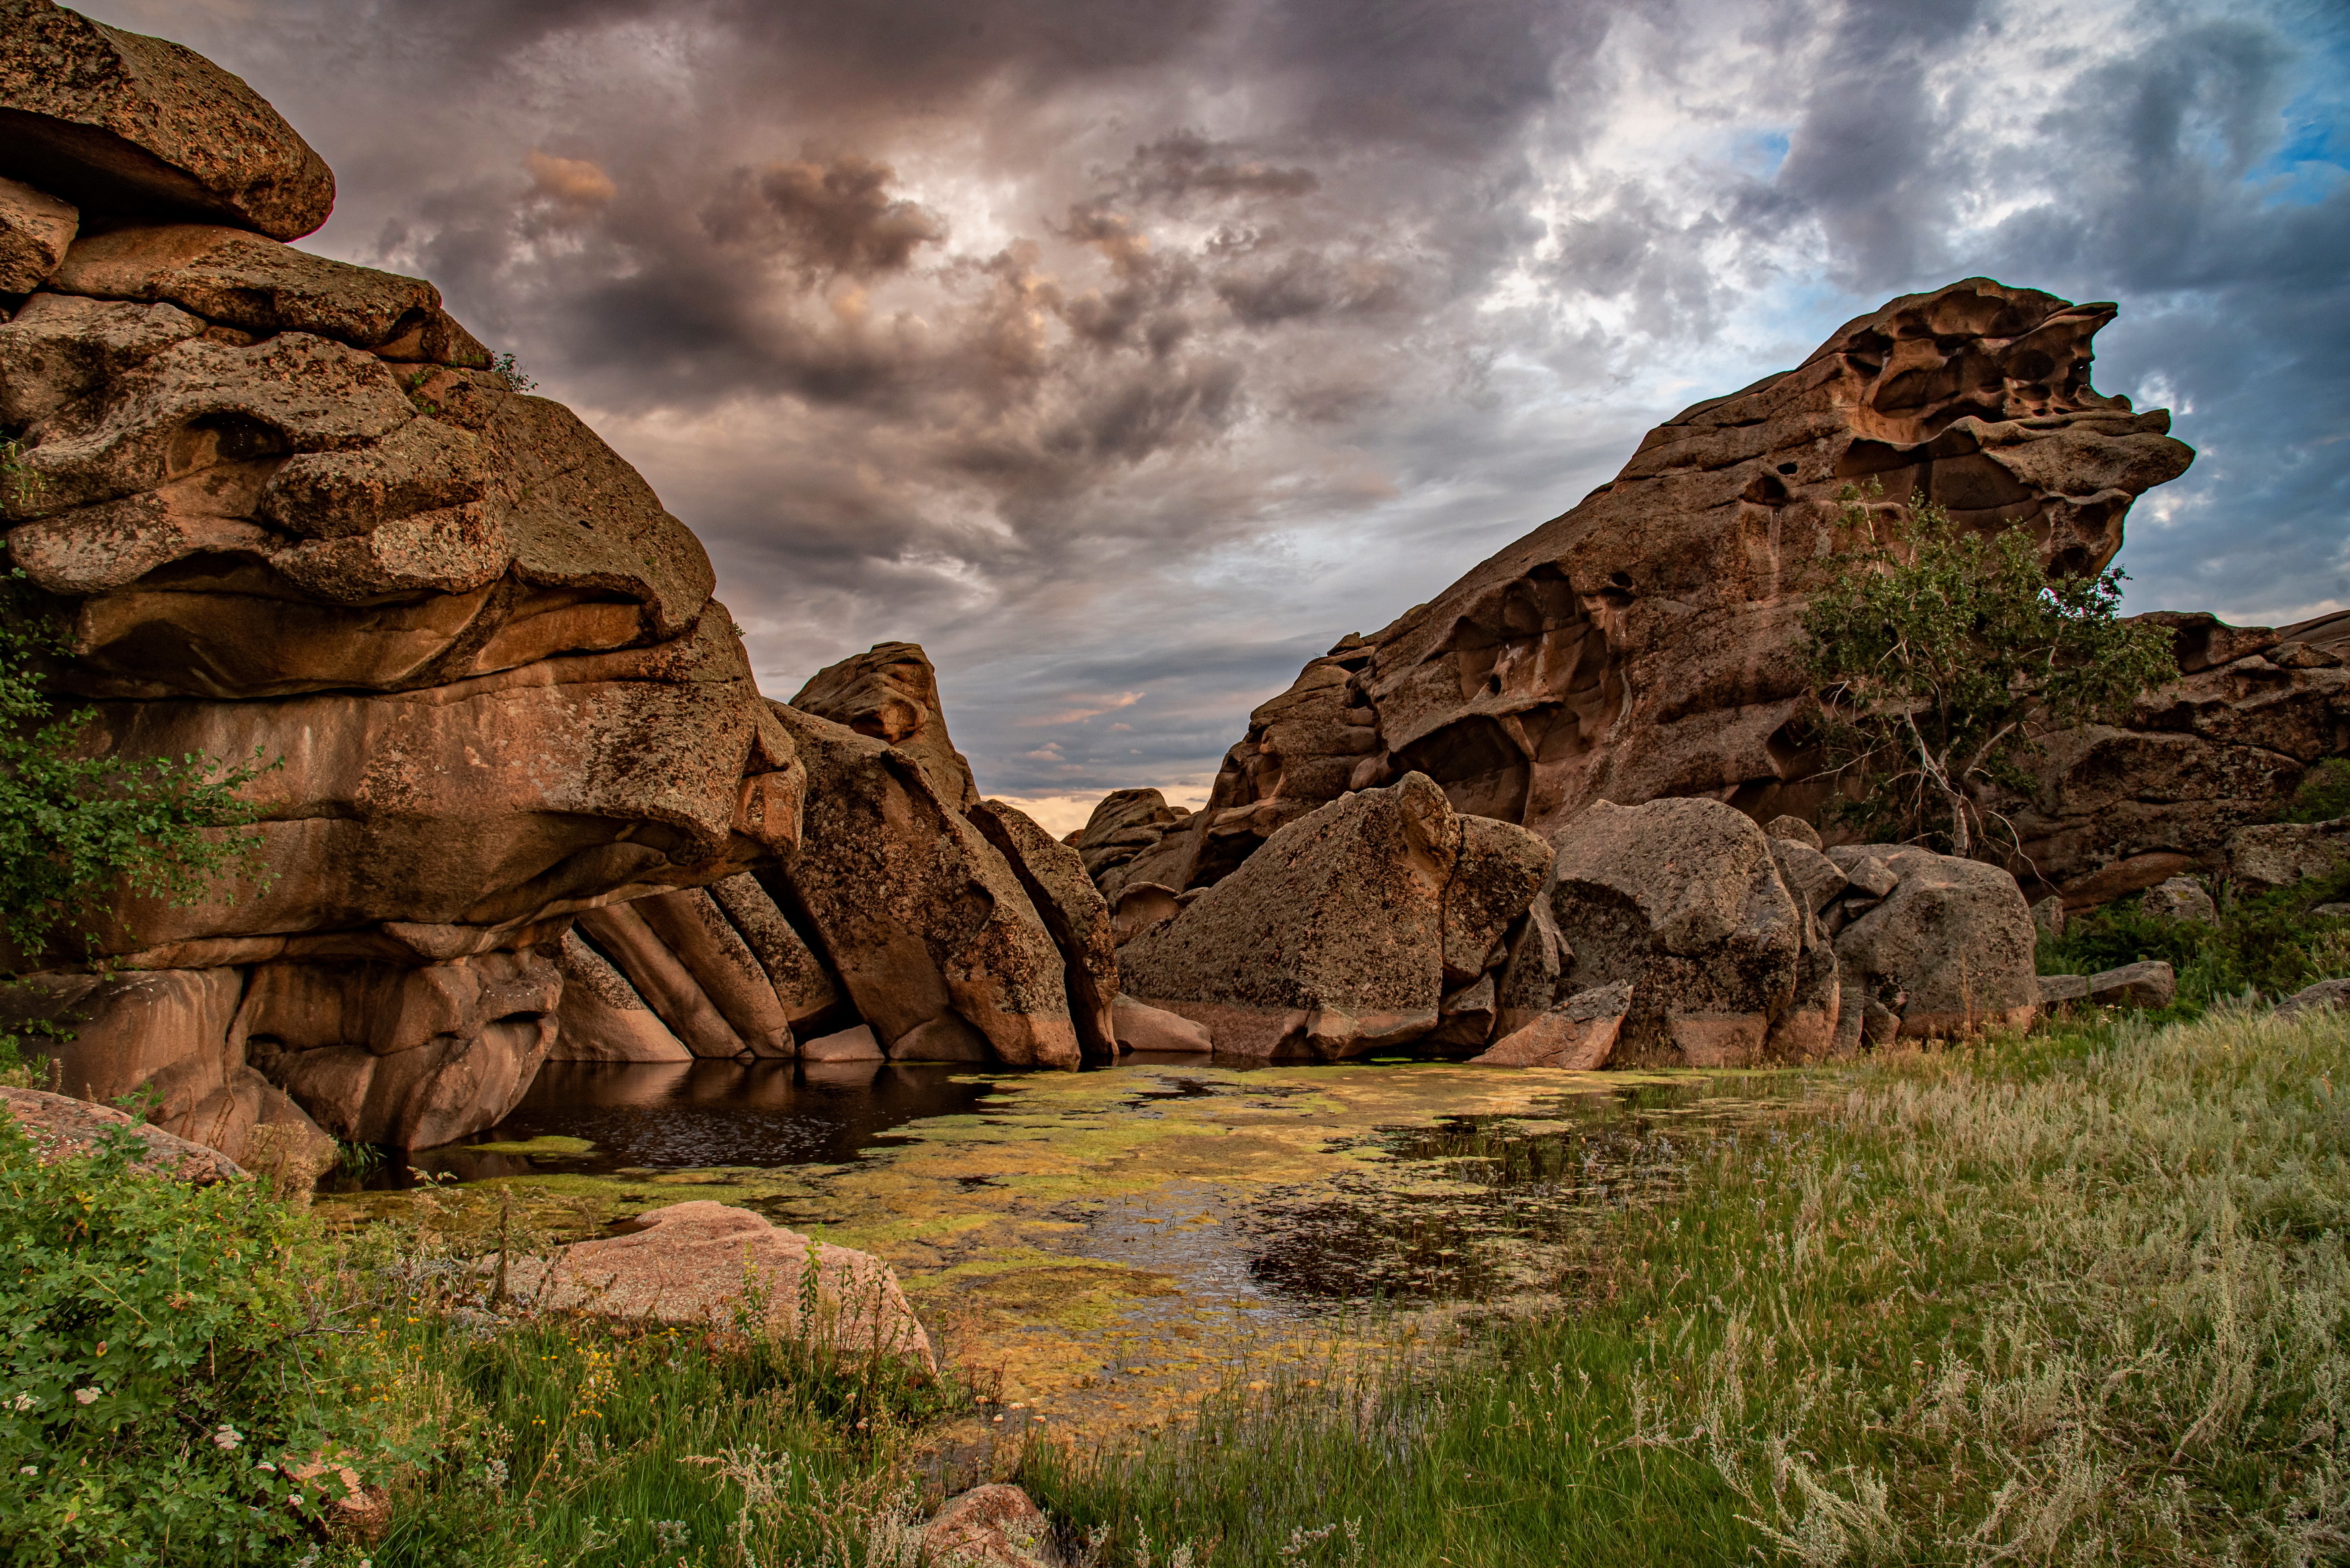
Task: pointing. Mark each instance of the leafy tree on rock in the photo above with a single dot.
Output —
(1940, 655)
(75, 823)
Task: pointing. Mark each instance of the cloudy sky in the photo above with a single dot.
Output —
(1126, 353)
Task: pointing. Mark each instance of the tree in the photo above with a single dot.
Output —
(1940, 655)
(74, 824)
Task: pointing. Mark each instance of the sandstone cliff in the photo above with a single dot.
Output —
(1645, 645)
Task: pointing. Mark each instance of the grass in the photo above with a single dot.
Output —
(570, 1440)
(2076, 1298)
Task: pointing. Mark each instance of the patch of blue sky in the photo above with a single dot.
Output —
(1759, 153)
(2311, 160)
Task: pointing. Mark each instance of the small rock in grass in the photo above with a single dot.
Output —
(2325, 995)
(2180, 899)
(996, 1525)
(2149, 983)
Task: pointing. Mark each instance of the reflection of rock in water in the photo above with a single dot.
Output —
(680, 1116)
(1496, 1213)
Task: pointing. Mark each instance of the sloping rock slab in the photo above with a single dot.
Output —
(63, 1127)
(1579, 1034)
(692, 1263)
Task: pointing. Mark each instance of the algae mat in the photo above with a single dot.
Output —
(1097, 1250)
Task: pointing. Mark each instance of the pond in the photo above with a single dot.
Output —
(1096, 1248)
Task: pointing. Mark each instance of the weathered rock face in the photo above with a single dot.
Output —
(1682, 901)
(282, 511)
(1645, 645)
(1947, 948)
(1370, 922)
(122, 123)
(2196, 768)
(1120, 843)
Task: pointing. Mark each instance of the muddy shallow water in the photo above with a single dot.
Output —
(1097, 1247)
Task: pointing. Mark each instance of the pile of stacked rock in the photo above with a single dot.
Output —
(525, 798)
(1676, 933)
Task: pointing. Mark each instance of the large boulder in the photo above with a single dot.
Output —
(1348, 934)
(1949, 949)
(60, 1127)
(703, 1263)
(123, 123)
(1682, 899)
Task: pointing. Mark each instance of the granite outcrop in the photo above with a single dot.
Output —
(522, 799)
(1646, 644)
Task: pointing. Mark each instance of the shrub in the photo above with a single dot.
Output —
(2323, 795)
(1941, 654)
(166, 1353)
(72, 825)
(2269, 942)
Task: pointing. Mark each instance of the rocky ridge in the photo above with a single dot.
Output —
(1645, 645)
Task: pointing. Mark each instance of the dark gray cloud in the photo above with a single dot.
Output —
(1127, 352)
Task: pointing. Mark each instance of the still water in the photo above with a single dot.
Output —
(1098, 1246)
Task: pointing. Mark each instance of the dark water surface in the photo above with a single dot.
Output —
(691, 1115)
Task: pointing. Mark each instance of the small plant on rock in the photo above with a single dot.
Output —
(1940, 655)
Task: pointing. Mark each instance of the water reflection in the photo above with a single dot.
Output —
(690, 1115)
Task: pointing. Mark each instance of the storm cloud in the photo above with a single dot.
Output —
(1127, 354)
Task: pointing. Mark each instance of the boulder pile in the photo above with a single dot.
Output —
(525, 800)
(1676, 933)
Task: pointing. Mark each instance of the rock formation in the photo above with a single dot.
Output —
(524, 797)
(1645, 645)
(1374, 921)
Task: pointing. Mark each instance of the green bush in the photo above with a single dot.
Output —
(2323, 795)
(166, 1353)
(2270, 943)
